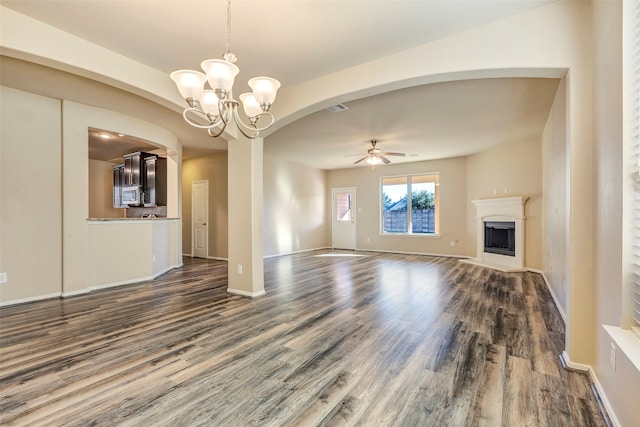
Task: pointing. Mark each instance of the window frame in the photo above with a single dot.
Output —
(409, 232)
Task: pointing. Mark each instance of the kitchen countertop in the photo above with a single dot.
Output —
(131, 219)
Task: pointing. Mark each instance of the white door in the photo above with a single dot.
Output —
(200, 218)
(343, 230)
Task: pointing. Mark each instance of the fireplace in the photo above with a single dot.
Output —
(500, 237)
(500, 233)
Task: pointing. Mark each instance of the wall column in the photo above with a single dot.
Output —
(246, 264)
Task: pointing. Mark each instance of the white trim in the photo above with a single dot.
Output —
(603, 398)
(297, 252)
(75, 293)
(217, 258)
(160, 273)
(30, 299)
(495, 266)
(246, 294)
(189, 255)
(132, 281)
(121, 283)
(573, 365)
(553, 294)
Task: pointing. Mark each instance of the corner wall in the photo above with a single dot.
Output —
(513, 169)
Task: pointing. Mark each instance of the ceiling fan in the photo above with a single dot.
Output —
(375, 156)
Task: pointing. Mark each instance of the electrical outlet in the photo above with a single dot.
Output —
(239, 268)
(612, 356)
(3, 277)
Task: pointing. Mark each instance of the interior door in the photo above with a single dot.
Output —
(343, 230)
(200, 218)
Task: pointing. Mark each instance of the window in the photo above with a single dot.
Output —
(410, 204)
(343, 207)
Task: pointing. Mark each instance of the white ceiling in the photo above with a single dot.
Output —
(296, 41)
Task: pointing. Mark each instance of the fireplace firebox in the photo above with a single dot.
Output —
(500, 237)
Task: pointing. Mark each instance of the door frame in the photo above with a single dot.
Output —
(193, 219)
(354, 221)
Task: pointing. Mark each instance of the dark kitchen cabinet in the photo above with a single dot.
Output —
(118, 181)
(134, 168)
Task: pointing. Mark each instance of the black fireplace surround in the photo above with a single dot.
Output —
(500, 237)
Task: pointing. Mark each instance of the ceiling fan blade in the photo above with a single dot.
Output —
(388, 153)
(384, 159)
(358, 161)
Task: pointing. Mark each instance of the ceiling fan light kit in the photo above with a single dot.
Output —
(216, 107)
(375, 156)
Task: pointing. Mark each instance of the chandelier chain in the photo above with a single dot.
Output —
(228, 25)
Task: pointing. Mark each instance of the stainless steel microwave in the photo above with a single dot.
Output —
(132, 195)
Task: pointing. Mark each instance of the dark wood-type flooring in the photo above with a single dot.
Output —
(339, 339)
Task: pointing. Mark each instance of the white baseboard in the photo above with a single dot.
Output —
(245, 293)
(121, 283)
(74, 293)
(160, 273)
(553, 294)
(296, 252)
(218, 258)
(29, 299)
(594, 378)
(413, 253)
(189, 255)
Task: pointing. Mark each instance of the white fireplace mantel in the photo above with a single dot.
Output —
(501, 209)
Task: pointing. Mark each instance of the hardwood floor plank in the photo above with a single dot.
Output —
(340, 338)
(488, 402)
(519, 406)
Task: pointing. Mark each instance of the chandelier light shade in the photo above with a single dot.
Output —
(214, 108)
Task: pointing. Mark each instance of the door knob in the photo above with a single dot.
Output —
(204, 224)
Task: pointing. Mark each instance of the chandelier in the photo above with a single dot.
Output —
(215, 107)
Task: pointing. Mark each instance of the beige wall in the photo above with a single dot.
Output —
(295, 203)
(622, 383)
(214, 169)
(554, 178)
(513, 169)
(101, 191)
(45, 189)
(30, 196)
(453, 206)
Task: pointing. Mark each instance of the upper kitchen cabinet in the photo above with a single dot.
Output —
(134, 168)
